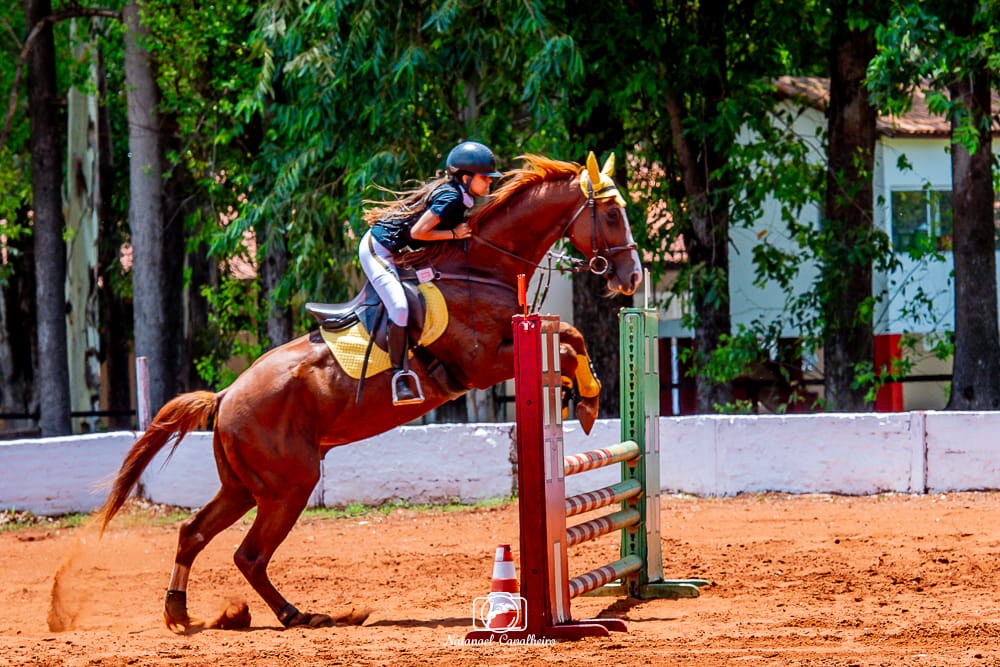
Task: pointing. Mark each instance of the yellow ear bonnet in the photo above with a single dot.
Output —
(598, 183)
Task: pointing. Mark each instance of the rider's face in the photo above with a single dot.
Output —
(480, 185)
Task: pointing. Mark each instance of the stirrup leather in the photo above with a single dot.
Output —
(406, 374)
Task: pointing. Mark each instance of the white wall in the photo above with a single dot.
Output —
(910, 452)
(59, 475)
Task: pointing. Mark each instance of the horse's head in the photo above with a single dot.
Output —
(533, 207)
(600, 230)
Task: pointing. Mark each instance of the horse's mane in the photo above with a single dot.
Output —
(536, 169)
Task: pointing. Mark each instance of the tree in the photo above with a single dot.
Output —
(49, 248)
(352, 97)
(146, 211)
(949, 51)
(595, 122)
(114, 291)
(18, 320)
(976, 372)
(702, 78)
(849, 239)
(18, 330)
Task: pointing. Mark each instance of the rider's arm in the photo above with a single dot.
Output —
(424, 229)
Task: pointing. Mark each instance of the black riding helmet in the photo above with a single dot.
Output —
(474, 158)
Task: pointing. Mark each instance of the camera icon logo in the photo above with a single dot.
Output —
(499, 612)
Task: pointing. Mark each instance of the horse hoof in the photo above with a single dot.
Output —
(303, 620)
(175, 614)
(183, 626)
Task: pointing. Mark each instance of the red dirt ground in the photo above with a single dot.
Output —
(796, 580)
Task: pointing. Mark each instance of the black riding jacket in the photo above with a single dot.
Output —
(445, 202)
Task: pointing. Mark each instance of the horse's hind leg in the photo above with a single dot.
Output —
(275, 517)
(228, 505)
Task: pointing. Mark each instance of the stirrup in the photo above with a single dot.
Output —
(401, 374)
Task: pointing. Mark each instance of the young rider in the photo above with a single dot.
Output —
(431, 213)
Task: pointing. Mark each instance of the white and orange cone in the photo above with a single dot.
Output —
(504, 600)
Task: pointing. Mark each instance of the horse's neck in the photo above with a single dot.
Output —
(526, 230)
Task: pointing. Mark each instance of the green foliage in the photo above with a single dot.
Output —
(233, 319)
(286, 114)
(355, 95)
(15, 191)
(740, 407)
(15, 165)
(918, 51)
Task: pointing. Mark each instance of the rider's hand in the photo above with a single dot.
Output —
(463, 231)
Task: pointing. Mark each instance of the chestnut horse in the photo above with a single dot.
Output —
(276, 422)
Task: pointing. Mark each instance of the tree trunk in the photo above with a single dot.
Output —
(975, 383)
(18, 334)
(50, 250)
(204, 272)
(706, 241)
(846, 283)
(152, 338)
(596, 316)
(177, 206)
(82, 180)
(116, 312)
(273, 265)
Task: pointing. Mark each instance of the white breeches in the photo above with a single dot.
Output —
(381, 271)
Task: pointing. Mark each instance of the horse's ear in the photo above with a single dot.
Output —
(592, 170)
(609, 166)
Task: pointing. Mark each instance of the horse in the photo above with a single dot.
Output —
(274, 424)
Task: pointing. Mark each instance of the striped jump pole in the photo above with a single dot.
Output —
(542, 490)
(598, 458)
(640, 422)
(639, 515)
(543, 507)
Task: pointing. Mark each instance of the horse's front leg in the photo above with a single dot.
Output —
(575, 367)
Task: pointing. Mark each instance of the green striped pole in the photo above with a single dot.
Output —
(640, 423)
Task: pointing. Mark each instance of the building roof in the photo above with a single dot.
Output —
(918, 121)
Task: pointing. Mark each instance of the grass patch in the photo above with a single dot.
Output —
(138, 512)
(357, 510)
(135, 512)
(14, 519)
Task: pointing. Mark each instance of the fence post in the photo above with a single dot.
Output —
(142, 407)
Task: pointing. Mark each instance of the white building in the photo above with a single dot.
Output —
(911, 190)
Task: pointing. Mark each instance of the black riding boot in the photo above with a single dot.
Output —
(405, 384)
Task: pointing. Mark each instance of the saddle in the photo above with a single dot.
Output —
(367, 308)
(350, 330)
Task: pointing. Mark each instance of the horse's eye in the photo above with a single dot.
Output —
(613, 215)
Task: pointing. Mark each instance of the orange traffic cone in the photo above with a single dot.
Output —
(504, 601)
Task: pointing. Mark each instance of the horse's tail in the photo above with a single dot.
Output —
(178, 417)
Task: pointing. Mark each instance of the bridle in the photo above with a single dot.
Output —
(598, 263)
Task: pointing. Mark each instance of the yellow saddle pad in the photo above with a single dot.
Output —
(349, 345)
